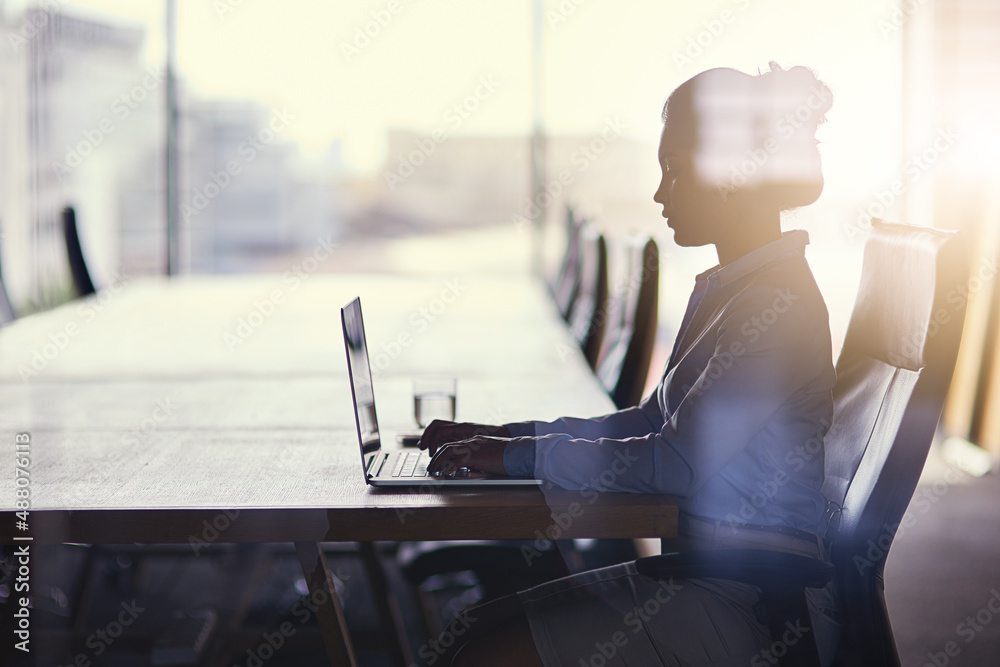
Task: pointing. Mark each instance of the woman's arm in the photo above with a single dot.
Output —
(748, 379)
(629, 422)
(637, 420)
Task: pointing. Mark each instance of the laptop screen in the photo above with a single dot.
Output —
(361, 376)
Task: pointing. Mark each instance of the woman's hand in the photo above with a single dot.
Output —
(440, 432)
(483, 453)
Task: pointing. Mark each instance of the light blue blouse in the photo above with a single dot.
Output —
(735, 427)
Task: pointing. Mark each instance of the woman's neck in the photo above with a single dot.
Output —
(746, 235)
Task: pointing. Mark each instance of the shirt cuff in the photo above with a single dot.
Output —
(519, 458)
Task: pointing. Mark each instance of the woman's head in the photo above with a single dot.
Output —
(737, 148)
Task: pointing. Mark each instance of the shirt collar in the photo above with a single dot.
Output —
(790, 243)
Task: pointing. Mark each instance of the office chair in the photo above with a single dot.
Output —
(74, 252)
(589, 313)
(567, 283)
(892, 378)
(623, 364)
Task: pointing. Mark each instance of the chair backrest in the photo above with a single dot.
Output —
(560, 275)
(567, 284)
(628, 347)
(892, 378)
(589, 313)
(74, 252)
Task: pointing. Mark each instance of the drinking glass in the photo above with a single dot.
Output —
(433, 398)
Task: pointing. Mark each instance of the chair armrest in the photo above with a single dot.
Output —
(767, 569)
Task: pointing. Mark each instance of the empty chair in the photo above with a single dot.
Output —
(560, 274)
(567, 283)
(497, 567)
(74, 253)
(892, 378)
(623, 364)
(589, 312)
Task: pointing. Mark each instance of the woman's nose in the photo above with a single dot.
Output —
(662, 194)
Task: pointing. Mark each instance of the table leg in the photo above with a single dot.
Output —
(386, 606)
(329, 613)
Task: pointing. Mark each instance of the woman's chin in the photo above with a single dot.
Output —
(679, 238)
(686, 240)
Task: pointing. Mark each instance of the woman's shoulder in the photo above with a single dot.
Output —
(779, 305)
(789, 283)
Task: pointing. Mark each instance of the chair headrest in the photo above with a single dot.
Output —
(894, 315)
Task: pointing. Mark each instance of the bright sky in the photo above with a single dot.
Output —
(602, 60)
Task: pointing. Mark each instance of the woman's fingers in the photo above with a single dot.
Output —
(443, 461)
(479, 453)
(437, 433)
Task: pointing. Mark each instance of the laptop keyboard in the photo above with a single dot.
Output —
(411, 465)
(414, 464)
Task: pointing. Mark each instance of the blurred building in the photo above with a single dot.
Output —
(82, 124)
(467, 181)
(78, 114)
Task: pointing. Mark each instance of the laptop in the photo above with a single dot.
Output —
(393, 467)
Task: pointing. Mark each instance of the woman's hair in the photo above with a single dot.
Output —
(755, 135)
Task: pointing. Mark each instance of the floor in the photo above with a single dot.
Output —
(943, 571)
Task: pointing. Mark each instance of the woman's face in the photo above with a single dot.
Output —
(693, 209)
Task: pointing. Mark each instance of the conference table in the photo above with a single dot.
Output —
(217, 409)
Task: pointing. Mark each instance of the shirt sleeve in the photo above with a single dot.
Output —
(519, 457)
(749, 377)
(633, 421)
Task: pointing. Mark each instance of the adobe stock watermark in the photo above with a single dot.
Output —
(424, 147)
(796, 460)
(612, 308)
(420, 320)
(224, 7)
(778, 649)
(142, 432)
(266, 306)
(433, 484)
(59, 340)
(434, 649)
(751, 331)
(590, 492)
(302, 611)
(562, 12)
(121, 108)
(635, 620)
(894, 22)
(371, 29)
(924, 498)
(750, 169)
(246, 152)
(101, 639)
(957, 297)
(968, 630)
(35, 20)
(914, 169)
(705, 38)
(581, 158)
(211, 531)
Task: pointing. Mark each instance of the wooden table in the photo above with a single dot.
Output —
(168, 406)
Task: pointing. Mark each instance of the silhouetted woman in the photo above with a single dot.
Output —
(735, 426)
